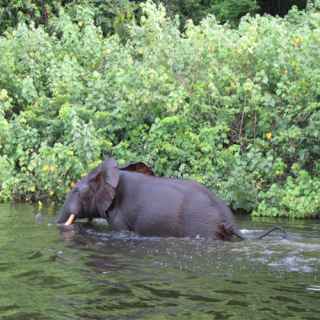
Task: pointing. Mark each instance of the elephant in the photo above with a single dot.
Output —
(132, 198)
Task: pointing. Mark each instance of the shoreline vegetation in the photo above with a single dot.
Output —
(236, 108)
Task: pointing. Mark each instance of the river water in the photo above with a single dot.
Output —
(90, 272)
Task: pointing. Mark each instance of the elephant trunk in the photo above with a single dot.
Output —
(66, 219)
(63, 216)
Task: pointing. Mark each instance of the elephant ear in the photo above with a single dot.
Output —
(139, 167)
(111, 172)
(104, 183)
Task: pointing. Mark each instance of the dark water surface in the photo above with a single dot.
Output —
(89, 272)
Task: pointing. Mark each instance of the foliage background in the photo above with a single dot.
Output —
(113, 15)
(234, 108)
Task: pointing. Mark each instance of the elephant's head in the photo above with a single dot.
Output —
(93, 195)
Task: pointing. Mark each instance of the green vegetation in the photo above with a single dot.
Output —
(114, 15)
(237, 109)
(224, 10)
(111, 16)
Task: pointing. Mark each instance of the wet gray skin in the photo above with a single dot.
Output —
(90, 272)
(132, 198)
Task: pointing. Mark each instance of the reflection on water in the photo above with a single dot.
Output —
(90, 272)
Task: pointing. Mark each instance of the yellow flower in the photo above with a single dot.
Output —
(49, 168)
(269, 135)
(297, 41)
(248, 85)
(52, 168)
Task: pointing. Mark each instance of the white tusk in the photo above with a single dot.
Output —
(70, 220)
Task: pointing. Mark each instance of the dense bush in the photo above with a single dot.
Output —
(237, 109)
(114, 15)
(224, 10)
(111, 16)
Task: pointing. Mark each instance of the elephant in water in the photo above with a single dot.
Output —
(133, 199)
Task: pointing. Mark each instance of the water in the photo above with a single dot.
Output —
(90, 272)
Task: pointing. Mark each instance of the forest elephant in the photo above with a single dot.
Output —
(133, 199)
